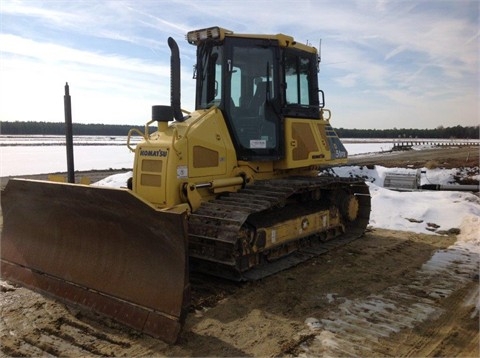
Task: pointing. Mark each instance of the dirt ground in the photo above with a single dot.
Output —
(435, 157)
(380, 295)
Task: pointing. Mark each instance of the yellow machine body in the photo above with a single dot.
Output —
(199, 151)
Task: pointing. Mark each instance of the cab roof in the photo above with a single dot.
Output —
(197, 36)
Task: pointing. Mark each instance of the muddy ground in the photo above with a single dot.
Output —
(376, 296)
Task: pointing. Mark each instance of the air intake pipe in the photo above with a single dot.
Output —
(175, 80)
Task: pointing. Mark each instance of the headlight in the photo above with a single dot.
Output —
(196, 36)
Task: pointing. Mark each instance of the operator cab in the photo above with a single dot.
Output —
(256, 81)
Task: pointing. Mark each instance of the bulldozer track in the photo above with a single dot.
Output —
(215, 228)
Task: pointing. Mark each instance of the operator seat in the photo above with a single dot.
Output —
(258, 99)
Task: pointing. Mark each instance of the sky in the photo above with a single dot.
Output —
(385, 63)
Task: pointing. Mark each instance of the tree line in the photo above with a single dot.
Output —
(440, 132)
(55, 128)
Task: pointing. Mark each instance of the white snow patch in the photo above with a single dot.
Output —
(448, 209)
(115, 181)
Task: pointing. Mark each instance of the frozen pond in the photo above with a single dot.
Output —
(24, 155)
(37, 154)
(24, 160)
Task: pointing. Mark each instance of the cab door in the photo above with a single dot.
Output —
(250, 94)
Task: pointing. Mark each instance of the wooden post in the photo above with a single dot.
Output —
(69, 135)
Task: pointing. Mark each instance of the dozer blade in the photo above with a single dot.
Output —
(104, 249)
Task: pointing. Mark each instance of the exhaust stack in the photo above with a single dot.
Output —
(175, 80)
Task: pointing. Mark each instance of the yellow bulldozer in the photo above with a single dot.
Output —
(232, 189)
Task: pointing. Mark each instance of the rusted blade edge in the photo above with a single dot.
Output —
(155, 324)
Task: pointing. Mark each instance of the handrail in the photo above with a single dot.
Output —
(174, 136)
(146, 134)
(130, 132)
(329, 114)
(146, 128)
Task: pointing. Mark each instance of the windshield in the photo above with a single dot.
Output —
(240, 77)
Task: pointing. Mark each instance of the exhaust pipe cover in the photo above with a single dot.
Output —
(175, 80)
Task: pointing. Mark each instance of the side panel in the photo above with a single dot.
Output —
(150, 181)
(207, 147)
(335, 146)
(311, 143)
(198, 149)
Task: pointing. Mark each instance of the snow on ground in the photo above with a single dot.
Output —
(428, 176)
(115, 181)
(421, 211)
(417, 211)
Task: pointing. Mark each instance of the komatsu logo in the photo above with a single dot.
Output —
(153, 153)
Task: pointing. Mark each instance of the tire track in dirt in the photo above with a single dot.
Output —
(34, 325)
(355, 324)
(84, 337)
(457, 339)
